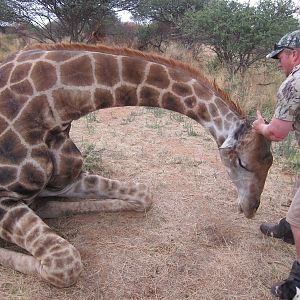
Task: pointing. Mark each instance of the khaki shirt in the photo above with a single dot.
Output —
(288, 101)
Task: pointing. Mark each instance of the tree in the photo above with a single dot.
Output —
(57, 19)
(238, 33)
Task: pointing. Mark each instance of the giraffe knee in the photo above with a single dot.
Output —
(62, 270)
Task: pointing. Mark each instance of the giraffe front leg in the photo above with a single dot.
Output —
(109, 196)
(53, 258)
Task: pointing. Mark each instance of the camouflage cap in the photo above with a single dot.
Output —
(290, 41)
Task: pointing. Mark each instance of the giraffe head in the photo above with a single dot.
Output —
(247, 158)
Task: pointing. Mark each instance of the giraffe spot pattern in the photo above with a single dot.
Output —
(43, 75)
(178, 75)
(77, 72)
(31, 177)
(20, 72)
(149, 97)
(202, 91)
(126, 96)
(11, 149)
(158, 76)
(172, 102)
(4, 74)
(106, 70)
(221, 106)
(203, 113)
(190, 102)
(182, 89)
(11, 103)
(33, 126)
(213, 110)
(22, 88)
(7, 175)
(3, 125)
(13, 218)
(133, 70)
(80, 105)
(103, 98)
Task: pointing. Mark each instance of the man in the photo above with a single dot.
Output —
(286, 118)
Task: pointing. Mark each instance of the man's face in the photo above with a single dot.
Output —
(286, 61)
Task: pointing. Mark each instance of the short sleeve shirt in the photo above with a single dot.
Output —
(288, 101)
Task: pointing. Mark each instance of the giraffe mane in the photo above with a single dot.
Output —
(148, 56)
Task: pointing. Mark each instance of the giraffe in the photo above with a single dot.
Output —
(43, 88)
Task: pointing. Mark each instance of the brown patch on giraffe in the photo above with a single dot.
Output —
(172, 102)
(7, 175)
(190, 102)
(91, 181)
(70, 168)
(12, 150)
(34, 233)
(179, 75)
(203, 113)
(43, 75)
(20, 72)
(158, 76)
(106, 69)
(149, 97)
(4, 74)
(30, 55)
(230, 116)
(103, 98)
(226, 125)
(11, 103)
(42, 156)
(133, 70)
(191, 114)
(77, 72)
(202, 91)
(126, 96)
(71, 104)
(3, 125)
(219, 123)
(59, 56)
(221, 106)
(55, 140)
(22, 88)
(33, 126)
(69, 148)
(213, 110)
(13, 218)
(182, 89)
(32, 177)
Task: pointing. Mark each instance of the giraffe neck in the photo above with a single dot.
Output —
(77, 82)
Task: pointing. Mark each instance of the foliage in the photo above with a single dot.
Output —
(238, 33)
(165, 11)
(55, 20)
(153, 35)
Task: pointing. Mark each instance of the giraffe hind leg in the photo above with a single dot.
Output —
(51, 257)
(108, 196)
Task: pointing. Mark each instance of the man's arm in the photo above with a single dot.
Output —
(275, 131)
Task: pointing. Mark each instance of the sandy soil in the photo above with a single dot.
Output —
(192, 244)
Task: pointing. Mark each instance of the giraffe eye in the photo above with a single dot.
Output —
(241, 164)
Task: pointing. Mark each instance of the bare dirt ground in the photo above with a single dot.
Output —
(192, 244)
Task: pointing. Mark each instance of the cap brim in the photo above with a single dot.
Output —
(274, 53)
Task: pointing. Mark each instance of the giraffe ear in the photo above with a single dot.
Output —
(229, 143)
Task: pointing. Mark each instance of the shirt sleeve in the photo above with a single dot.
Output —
(288, 99)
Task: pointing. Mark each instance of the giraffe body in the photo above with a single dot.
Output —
(43, 89)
